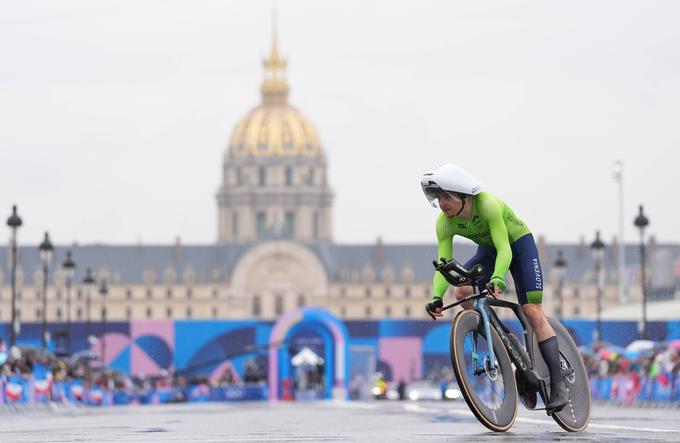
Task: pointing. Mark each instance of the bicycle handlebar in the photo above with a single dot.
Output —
(456, 274)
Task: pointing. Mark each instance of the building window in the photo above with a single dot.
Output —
(315, 225)
(58, 313)
(18, 295)
(79, 313)
(234, 224)
(215, 293)
(214, 312)
(368, 312)
(168, 312)
(58, 295)
(388, 311)
(37, 294)
(168, 293)
(407, 292)
(261, 220)
(289, 176)
(128, 294)
(262, 176)
(310, 177)
(289, 227)
(128, 313)
(239, 176)
(149, 312)
(426, 292)
(407, 311)
(368, 292)
(149, 293)
(18, 311)
(189, 312)
(190, 293)
(256, 306)
(79, 294)
(279, 305)
(388, 292)
(343, 312)
(300, 300)
(577, 294)
(577, 311)
(104, 312)
(37, 313)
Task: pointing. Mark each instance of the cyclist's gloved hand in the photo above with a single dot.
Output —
(434, 308)
(496, 286)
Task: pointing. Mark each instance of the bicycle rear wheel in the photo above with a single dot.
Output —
(490, 394)
(576, 414)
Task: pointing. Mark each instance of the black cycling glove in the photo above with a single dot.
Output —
(433, 305)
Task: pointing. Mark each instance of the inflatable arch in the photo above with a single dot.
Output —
(335, 337)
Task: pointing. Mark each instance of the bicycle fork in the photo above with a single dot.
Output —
(480, 306)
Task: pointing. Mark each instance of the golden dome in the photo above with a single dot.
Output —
(274, 128)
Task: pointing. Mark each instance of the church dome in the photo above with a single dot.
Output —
(274, 129)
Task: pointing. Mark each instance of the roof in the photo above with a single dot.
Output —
(343, 262)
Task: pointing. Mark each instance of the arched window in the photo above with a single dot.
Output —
(300, 300)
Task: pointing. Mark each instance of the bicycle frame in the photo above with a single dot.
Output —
(518, 355)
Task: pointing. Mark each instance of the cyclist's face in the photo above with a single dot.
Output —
(449, 204)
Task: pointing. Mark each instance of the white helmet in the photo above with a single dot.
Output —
(449, 178)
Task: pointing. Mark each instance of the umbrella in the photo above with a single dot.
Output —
(306, 357)
(674, 344)
(640, 345)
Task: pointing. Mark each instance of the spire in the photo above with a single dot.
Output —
(274, 87)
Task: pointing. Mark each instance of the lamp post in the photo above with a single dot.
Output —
(618, 176)
(14, 222)
(103, 290)
(46, 249)
(89, 283)
(597, 248)
(561, 270)
(69, 270)
(641, 222)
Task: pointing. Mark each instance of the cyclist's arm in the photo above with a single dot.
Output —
(444, 249)
(491, 209)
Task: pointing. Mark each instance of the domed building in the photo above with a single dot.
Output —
(274, 172)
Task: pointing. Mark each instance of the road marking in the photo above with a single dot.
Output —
(466, 413)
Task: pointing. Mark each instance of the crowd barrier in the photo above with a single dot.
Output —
(20, 390)
(631, 388)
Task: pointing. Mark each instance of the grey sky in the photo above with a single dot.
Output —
(114, 116)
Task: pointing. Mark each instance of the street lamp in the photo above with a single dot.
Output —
(641, 222)
(597, 248)
(103, 290)
(89, 283)
(69, 270)
(561, 271)
(14, 222)
(46, 249)
(618, 177)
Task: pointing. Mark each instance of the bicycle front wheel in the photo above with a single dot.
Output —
(490, 392)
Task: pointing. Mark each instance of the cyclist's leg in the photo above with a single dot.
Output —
(526, 270)
(486, 258)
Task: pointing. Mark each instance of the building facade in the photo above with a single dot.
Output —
(274, 249)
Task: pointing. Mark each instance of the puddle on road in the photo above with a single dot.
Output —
(149, 430)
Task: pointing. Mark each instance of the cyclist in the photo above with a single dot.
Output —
(504, 243)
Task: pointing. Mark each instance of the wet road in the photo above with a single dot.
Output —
(325, 422)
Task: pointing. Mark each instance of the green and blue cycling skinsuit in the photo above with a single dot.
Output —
(504, 243)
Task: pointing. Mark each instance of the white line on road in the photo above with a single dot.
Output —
(421, 409)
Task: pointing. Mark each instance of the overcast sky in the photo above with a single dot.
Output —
(114, 116)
